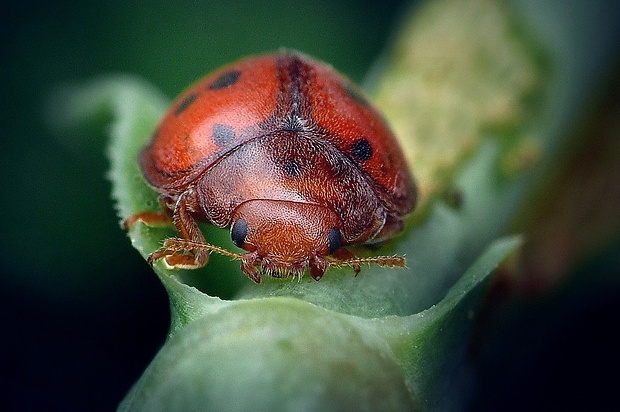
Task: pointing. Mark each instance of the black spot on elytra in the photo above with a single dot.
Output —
(354, 93)
(185, 103)
(225, 80)
(361, 150)
(291, 168)
(222, 134)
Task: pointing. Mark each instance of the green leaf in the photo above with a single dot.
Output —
(432, 345)
(271, 354)
(286, 354)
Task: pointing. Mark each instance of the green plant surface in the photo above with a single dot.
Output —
(287, 354)
(472, 89)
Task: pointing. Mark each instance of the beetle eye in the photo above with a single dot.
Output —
(334, 240)
(238, 232)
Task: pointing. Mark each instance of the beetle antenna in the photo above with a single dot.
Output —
(177, 244)
(387, 261)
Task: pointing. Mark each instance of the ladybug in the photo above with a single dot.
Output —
(288, 153)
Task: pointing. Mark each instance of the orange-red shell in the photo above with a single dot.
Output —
(265, 104)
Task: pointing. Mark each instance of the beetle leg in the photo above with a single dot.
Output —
(179, 211)
(248, 266)
(148, 218)
(163, 218)
(188, 229)
(318, 265)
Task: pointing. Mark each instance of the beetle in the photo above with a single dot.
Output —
(290, 155)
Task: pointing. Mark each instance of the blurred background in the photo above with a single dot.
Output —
(83, 314)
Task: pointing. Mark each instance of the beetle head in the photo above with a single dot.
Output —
(283, 238)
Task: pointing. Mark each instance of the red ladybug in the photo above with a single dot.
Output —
(290, 155)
